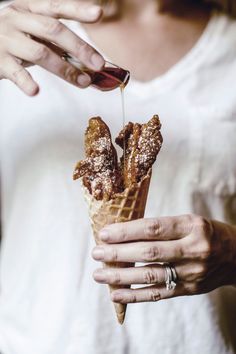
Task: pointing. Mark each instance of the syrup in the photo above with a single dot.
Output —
(109, 78)
(122, 92)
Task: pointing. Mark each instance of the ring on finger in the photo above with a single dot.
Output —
(170, 277)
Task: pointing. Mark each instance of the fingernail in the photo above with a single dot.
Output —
(84, 80)
(98, 253)
(99, 275)
(97, 61)
(94, 10)
(104, 235)
(116, 297)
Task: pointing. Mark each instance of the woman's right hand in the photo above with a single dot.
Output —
(30, 32)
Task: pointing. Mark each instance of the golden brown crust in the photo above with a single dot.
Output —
(100, 169)
(141, 144)
(101, 173)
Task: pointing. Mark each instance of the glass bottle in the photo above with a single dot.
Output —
(109, 78)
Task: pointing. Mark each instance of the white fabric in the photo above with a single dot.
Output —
(49, 303)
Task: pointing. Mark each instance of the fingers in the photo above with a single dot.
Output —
(165, 228)
(149, 274)
(13, 71)
(192, 279)
(52, 30)
(70, 9)
(17, 48)
(147, 294)
(146, 252)
(191, 272)
(43, 56)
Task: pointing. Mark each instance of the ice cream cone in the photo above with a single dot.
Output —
(126, 206)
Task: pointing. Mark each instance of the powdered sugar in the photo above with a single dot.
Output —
(102, 175)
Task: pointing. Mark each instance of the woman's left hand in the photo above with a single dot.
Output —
(203, 253)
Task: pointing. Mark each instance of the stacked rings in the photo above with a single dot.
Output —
(170, 277)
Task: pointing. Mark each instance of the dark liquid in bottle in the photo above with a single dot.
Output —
(109, 78)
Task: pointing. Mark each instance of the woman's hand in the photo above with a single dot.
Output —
(202, 252)
(30, 32)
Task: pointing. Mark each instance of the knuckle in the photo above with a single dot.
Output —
(196, 273)
(122, 233)
(113, 257)
(150, 276)
(152, 228)
(53, 27)
(41, 53)
(205, 250)
(84, 50)
(200, 246)
(189, 217)
(151, 254)
(186, 248)
(201, 271)
(203, 225)
(132, 298)
(7, 13)
(199, 251)
(180, 251)
(189, 220)
(190, 275)
(69, 73)
(18, 77)
(155, 295)
(114, 278)
(54, 6)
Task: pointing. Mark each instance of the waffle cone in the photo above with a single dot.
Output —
(126, 206)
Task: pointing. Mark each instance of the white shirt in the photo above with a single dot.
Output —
(49, 303)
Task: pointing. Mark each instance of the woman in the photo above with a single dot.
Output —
(182, 59)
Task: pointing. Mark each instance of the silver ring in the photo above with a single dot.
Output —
(170, 277)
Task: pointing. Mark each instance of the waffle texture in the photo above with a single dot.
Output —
(126, 206)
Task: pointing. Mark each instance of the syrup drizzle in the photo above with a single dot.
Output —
(122, 92)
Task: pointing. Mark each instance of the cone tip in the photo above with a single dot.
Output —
(121, 318)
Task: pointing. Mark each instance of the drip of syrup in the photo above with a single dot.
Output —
(110, 77)
(122, 89)
(122, 92)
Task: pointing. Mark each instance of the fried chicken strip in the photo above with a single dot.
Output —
(141, 144)
(103, 176)
(100, 170)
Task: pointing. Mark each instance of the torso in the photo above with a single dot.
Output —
(150, 45)
(49, 302)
